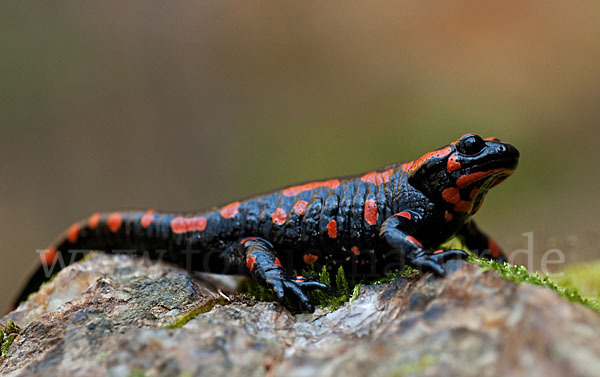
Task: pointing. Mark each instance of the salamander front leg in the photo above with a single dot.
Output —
(480, 243)
(265, 268)
(396, 232)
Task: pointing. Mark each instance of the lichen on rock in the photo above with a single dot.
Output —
(127, 316)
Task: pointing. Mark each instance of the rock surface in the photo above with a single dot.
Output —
(107, 316)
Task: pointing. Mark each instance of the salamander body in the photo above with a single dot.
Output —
(370, 223)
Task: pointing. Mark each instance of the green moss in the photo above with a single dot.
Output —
(405, 272)
(354, 293)
(8, 333)
(137, 373)
(414, 368)
(519, 274)
(204, 308)
(344, 290)
(583, 277)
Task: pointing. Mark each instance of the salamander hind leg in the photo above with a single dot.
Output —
(265, 268)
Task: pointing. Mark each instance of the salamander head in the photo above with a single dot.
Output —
(461, 173)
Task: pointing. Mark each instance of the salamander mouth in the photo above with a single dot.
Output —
(496, 169)
(493, 175)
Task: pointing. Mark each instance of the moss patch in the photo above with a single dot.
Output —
(414, 368)
(204, 308)
(583, 277)
(345, 290)
(8, 333)
(519, 274)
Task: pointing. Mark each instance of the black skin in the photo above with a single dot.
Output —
(415, 214)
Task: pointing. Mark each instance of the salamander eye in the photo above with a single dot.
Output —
(470, 145)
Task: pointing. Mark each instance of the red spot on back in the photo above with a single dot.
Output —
(73, 233)
(230, 210)
(438, 251)
(377, 178)
(197, 223)
(178, 225)
(414, 240)
(310, 258)
(279, 216)
(250, 263)
(467, 179)
(453, 165)
(332, 229)
(147, 219)
(181, 224)
(295, 190)
(451, 195)
(247, 239)
(355, 250)
(371, 213)
(404, 214)
(277, 262)
(114, 221)
(48, 256)
(405, 167)
(300, 207)
(94, 220)
(495, 250)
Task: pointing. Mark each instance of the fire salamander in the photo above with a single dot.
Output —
(369, 224)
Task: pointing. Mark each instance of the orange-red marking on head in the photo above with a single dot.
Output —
(440, 153)
(495, 250)
(48, 256)
(474, 193)
(355, 250)
(310, 258)
(404, 214)
(332, 229)
(448, 216)
(94, 220)
(295, 190)
(414, 240)
(451, 195)
(147, 219)
(463, 206)
(467, 179)
(279, 216)
(377, 178)
(230, 210)
(73, 233)
(453, 164)
(371, 214)
(114, 221)
(250, 263)
(300, 207)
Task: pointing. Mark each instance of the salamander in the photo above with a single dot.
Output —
(369, 223)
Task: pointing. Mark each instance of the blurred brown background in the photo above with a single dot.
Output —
(184, 105)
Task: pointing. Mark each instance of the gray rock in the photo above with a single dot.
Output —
(107, 316)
